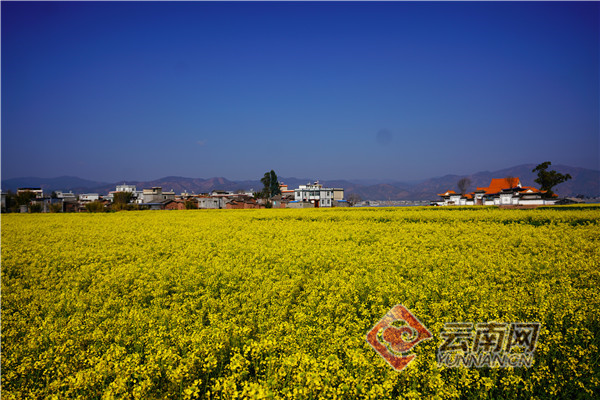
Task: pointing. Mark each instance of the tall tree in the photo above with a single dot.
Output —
(463, 185)
(121, 201)
(548, 179)
(270, 185)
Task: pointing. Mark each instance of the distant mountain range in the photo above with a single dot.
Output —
(585, 182)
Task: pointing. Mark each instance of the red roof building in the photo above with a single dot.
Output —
(501, 192)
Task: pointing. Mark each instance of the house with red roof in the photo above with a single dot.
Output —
(451, 198)
(500, 192)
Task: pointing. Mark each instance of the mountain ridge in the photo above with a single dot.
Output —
(585, 182)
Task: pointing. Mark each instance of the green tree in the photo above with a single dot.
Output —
(548, 179)
(191, 204)
(122, 197)
(95, 206)
(121, 201)
(24, 198)
(270, 185)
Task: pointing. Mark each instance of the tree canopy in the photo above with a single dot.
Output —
(122, 197)
(548, 179)
(270, 185)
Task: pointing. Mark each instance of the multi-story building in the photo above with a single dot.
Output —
(136, 195)
(316, 194)
(126, 188)
(156, 195)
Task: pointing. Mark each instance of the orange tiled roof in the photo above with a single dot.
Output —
(497, 184)
(449, 192)
(532, 189)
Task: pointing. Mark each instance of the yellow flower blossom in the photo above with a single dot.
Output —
(271, 304)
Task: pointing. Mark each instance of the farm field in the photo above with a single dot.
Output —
(277, 303)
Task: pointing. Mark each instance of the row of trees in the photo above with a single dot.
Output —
(546, 179)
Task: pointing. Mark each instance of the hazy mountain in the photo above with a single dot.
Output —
(585, 182)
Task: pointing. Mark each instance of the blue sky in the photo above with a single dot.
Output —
(342, 90)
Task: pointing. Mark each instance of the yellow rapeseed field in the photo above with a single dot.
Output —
(276, 303)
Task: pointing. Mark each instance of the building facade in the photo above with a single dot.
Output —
(88, 197)
(126, 188)
(315, 194)
(156, 195)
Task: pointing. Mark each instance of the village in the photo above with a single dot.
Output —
(507, 192)
(503, 192)
(129, 197)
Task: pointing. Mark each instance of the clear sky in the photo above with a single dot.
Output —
(367, 90)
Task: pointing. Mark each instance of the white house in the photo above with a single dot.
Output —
(316, 194)
(500, 192)
(86, 197)
(451, 198)
(126, 188)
